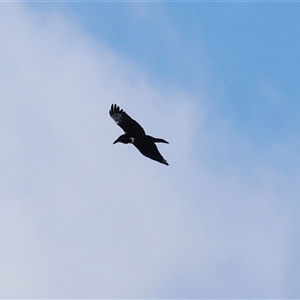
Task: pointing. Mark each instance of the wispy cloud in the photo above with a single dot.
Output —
(83, 218)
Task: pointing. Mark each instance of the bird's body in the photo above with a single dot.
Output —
(135, 134)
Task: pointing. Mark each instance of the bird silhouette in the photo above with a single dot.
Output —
(135, 134)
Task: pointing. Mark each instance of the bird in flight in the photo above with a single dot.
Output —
(135, 134)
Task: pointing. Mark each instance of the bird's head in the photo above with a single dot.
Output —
(124, 138)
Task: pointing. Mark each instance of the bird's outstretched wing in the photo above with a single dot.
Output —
(148, 148)
(130, 126)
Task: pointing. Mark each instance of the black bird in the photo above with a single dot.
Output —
(135, 134)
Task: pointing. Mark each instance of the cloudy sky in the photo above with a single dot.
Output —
(82, 218)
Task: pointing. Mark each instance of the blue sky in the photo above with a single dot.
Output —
(227, 35)
(82, 218)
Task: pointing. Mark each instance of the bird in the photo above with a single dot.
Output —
(135, 134)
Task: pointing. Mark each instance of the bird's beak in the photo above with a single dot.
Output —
(115, 142)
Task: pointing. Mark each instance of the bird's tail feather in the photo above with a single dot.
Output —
(157, 140)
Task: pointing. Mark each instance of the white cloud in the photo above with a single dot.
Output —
(83, 218)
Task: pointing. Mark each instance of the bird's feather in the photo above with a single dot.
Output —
(130, 126)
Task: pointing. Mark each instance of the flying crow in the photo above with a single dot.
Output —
(135, 134)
